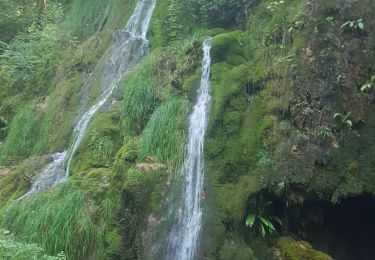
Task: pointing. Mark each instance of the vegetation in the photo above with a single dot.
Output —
(357, 24)
(280, 72)
(61, 220)
(139, 99)
(164, 132)
(11, 249)
(344, 119)
(294, 250)
(260, 218)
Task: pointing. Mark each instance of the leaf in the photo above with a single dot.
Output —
(349, 123)
(365, 87)
(360, 25)
(347, 116)
(278, 220)
(250, 220)
(338, 115)
(262, 230)
(345, 24)
(268, 224)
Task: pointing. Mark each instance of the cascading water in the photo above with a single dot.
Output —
(182, 241)
(128, 48)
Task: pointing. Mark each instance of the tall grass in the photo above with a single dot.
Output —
(61, 220)
(17, 250)
(22, 133)
(139, 99)
(164, 134)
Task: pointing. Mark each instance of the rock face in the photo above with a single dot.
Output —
(292, 120)
(291, 249)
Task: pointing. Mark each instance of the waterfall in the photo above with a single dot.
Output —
(127, 49)
(182, 241)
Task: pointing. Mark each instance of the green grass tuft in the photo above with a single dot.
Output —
(60, 220)
(164, 134)
(22, 133)
(139, 99)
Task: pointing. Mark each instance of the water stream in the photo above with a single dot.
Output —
(129, 46)
(182, 241)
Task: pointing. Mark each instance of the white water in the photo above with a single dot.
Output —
(184, 236)
(128, 48)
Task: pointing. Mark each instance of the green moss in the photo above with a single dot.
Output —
(98, 147)
(95, 181)
(231, 198)
(138, 182)
(236, 251)
(140, 195)
(229, 47)
(126, 155)
(226, 82)
(297, 250)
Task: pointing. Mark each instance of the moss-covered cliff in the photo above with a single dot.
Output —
(291, 122)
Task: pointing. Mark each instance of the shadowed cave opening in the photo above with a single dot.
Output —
(344, 230)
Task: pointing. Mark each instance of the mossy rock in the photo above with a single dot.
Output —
(299, 250)
(126, 155)
(229, 47)
(95, 181)
(231, 198)
(235, 251)
(98, 147)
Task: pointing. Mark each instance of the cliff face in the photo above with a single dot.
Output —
(291, 121)
(296, 123)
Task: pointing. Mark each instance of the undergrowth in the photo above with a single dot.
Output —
(60, 220)
(10, 248)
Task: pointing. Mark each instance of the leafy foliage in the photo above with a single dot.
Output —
(16, 15)
(344, 119)
(28, 56)
(357, 24)
(260, 218)
(370, 84)
(12, 249)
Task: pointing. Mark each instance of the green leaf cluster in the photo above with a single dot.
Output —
(368, 85)
(15, 250)
(344, 119)
(357, 24)
(260, 219)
